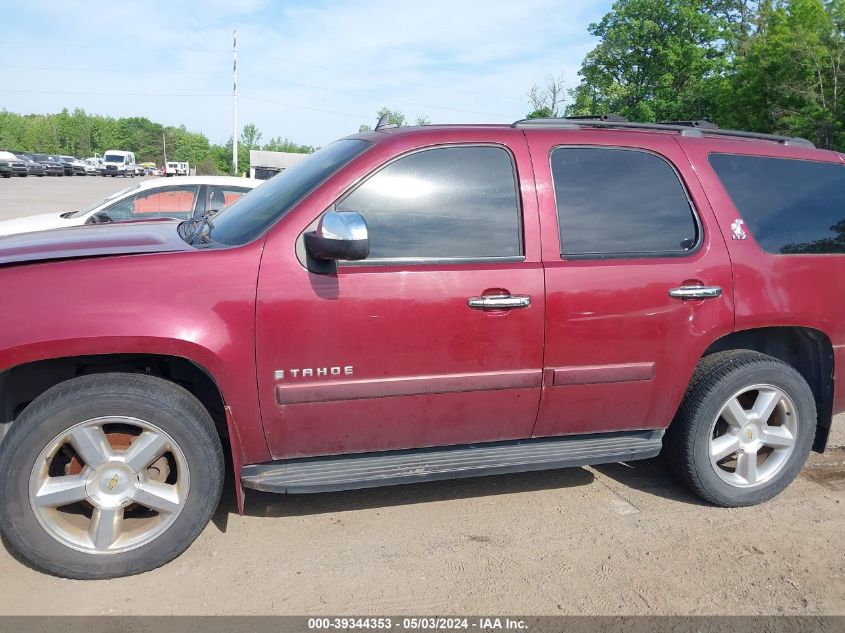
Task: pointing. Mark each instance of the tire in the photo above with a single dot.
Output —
(64, 542)
(706, 426)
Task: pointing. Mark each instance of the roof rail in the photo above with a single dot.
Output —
(610, 116)
(698, 123)
(568, 123)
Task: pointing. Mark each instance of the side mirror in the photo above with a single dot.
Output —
(99, 217)
(340, 235)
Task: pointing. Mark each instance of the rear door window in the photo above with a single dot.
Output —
(618, 203)
(790, 206)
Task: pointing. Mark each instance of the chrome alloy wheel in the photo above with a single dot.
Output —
(109, 485)
(753, 436)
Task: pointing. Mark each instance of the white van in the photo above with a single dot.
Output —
(171, 168)
(118, 163)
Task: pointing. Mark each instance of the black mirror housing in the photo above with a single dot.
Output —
(340, 235)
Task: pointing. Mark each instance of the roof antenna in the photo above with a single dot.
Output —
(384, 122)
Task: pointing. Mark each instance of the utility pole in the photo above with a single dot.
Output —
(164, 145)
(235, 103)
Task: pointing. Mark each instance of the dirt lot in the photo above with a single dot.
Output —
(620, 539)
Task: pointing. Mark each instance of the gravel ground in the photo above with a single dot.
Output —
(618, 539)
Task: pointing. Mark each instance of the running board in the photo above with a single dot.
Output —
(390, 468)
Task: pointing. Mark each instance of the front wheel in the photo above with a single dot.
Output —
(109, 475)
(744, 428)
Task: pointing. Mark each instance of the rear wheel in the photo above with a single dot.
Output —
(744, 429)
(109, 475)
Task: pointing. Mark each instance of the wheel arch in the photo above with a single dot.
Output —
(808, 350)
(23, 383)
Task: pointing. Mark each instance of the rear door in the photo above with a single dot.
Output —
(638, 278)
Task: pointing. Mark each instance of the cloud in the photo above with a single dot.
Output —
(311, 71)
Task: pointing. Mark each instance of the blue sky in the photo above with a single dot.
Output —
(309, 71)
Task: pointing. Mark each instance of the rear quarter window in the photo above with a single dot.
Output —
(790, 206)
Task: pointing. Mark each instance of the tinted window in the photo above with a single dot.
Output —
(443, 202)
(251, 215)
(790, 206)
(618, 203)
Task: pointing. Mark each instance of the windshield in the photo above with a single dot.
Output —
(100, 203)
(248, 217)
(114, 159)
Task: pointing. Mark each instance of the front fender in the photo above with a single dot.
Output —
(197, 305)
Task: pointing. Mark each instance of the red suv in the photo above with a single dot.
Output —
(425, 303)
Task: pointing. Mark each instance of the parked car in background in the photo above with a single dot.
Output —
(5, 169)
(77, 165)
(190, 199)
(33, 166)
(92, 166)
(146, 168)
(66, 166)
(18, 165)
(52, 167)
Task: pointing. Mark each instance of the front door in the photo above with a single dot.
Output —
(639, 280)
(403, 349)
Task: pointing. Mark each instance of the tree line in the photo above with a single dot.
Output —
(80, 134)
(774, 66)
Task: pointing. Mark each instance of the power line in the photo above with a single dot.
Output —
(315, 109)
(122, 71)
(27, 44)
(263, 77)
(113, 94)
(276, 80)
(173, 94)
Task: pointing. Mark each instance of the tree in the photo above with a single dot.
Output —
(250, 137)
(547, 100)
(81, 134)
(655, 61)
(395, 117)
(790, 74)
(280, 144)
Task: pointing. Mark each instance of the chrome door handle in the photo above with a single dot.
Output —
(499, 302)
(695, 292)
